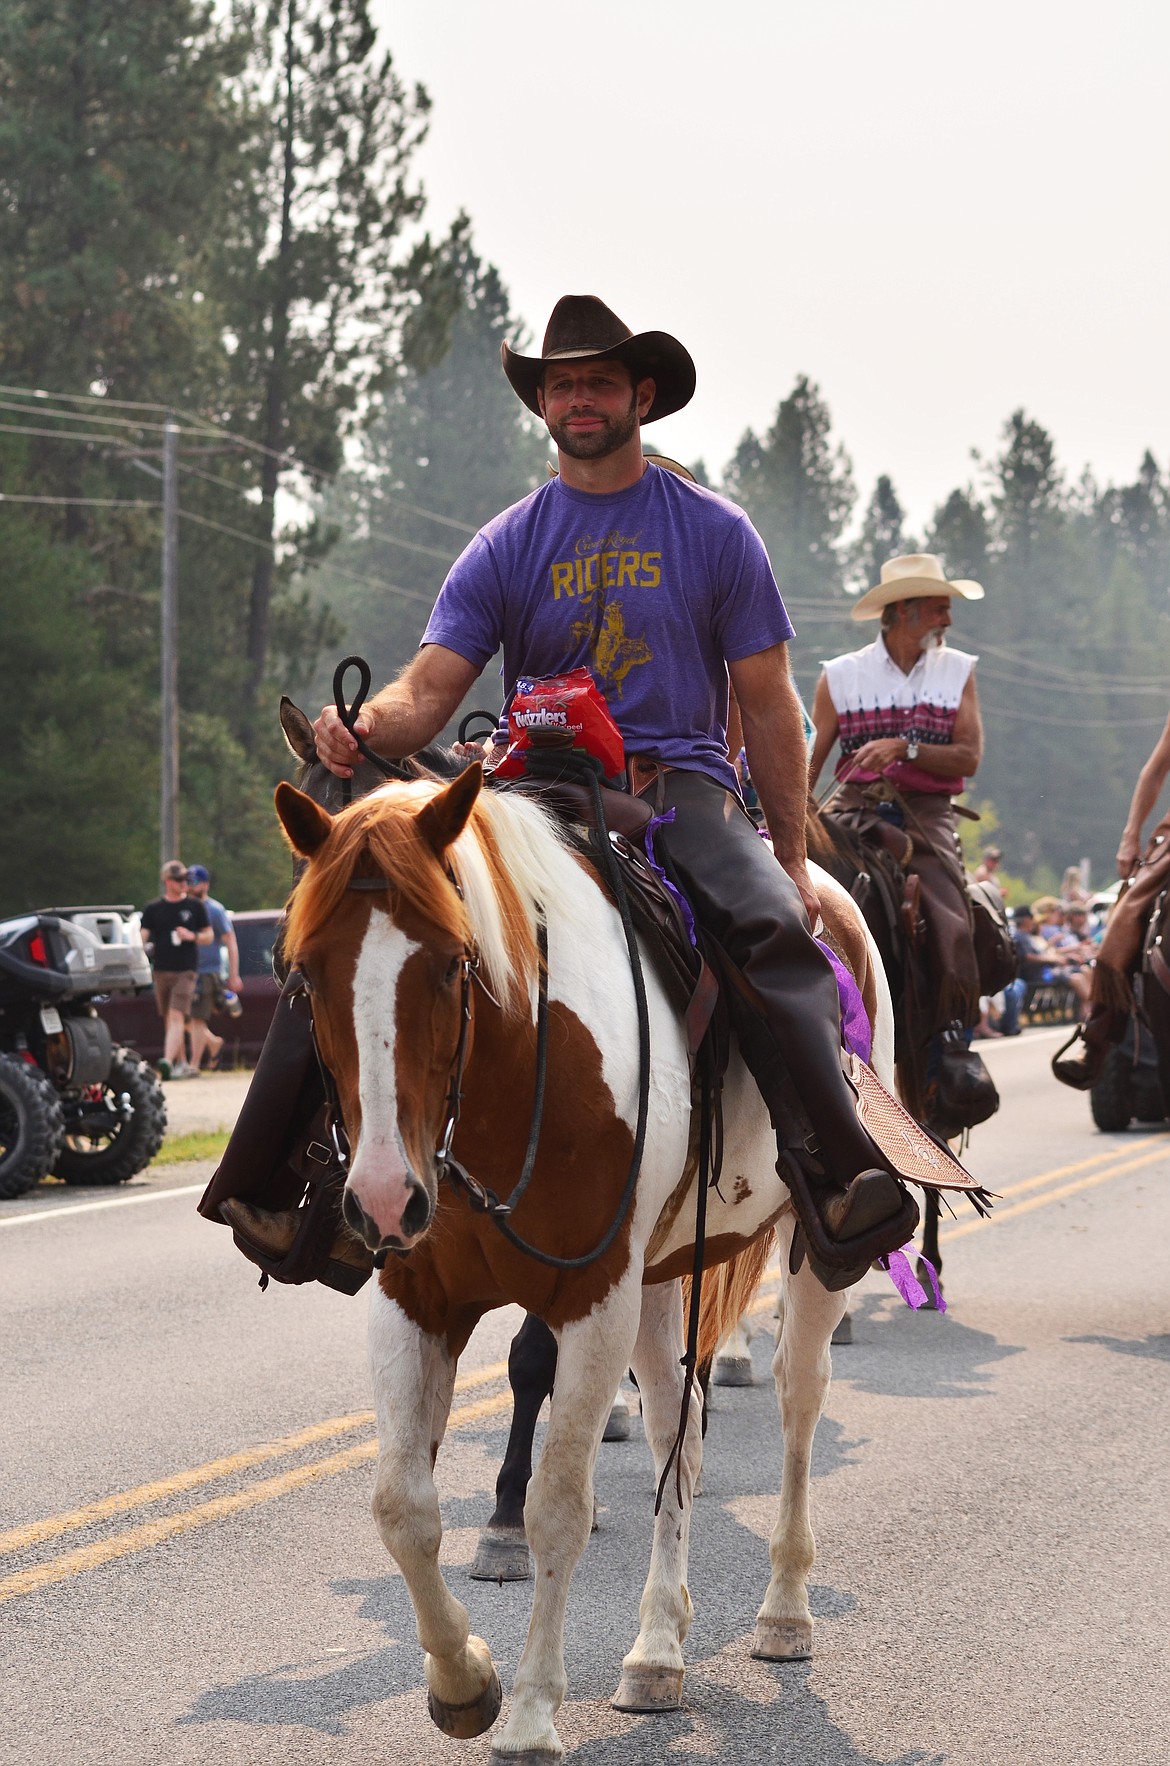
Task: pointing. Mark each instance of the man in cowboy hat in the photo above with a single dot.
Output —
(906, 712)
(1145, 876)
(618, 544)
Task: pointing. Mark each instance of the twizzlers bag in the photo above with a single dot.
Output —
(561, 712)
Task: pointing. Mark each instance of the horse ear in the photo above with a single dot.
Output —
(305, 823)
(298, 731)
(443, 819)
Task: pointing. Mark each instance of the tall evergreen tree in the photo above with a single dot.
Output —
(451, 439)
(882, 535)
(315, 276)
(798, 489)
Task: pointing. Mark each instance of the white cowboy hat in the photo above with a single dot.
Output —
(909, 579)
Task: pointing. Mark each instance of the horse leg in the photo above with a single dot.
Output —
(414, 1378)
(593, 1354)
(802, 1370)
(930, 1250)
(502, 1554)
(733, 1358)
(652, 1673)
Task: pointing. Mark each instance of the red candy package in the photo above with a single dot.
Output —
(561, 712)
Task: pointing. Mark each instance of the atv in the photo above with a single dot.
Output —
(72, 1103)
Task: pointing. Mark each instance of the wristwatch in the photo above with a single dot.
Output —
(912, 748)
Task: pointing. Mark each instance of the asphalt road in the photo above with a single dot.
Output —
(189, 1573)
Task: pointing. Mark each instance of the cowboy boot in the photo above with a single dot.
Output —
(843, 1228)
(274, 1232)
(1091, 1041)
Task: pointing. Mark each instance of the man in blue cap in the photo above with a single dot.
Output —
(210, 994)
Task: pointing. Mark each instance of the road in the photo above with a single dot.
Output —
(189, 1573)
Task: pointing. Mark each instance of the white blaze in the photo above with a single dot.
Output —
(379, 1168)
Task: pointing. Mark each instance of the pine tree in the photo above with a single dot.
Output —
(881, 537)
(798, 490)
(314, 280)
(451, 439)
(960, 534)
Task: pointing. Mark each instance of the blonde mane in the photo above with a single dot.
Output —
(506, 863)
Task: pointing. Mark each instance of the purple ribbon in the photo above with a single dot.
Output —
(680, 900)
(856, 1033)
(901, 1272)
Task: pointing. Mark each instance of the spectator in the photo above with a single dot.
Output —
(985, 870)
(210, 993)
(1072, 890)
(173, 926)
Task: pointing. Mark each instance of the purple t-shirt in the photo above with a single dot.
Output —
(655, 589)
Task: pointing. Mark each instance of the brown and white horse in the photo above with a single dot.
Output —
(401, 892)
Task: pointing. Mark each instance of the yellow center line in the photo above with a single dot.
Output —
(998, 1215)
(161, 1489)
(1033, 1183)
(104, 1551)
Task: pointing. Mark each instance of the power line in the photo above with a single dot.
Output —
(1022, 715)
(1068, 675)
(85, 502)
(1089, 682)
(199, 426)
(377, 533)
(429, 514)
(37, 410)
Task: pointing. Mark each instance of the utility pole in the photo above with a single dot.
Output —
(169, 647)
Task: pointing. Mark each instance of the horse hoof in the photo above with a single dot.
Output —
(530, 1757)
(843, 1333)
(502, 1556)
(782, 1640)
(649, 1689)
(618, 1426)
(464, 1721)
(732, 1370)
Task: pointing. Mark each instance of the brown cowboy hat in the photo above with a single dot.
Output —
(582, 326)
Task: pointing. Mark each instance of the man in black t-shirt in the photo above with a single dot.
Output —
(174, 925)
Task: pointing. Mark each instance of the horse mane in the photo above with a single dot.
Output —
(503, 863)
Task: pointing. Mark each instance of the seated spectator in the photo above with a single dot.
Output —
(1049, 915)
(1072, 890)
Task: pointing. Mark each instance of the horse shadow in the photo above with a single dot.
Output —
(306, 1695)
(898, 1353)
(1153, 1348)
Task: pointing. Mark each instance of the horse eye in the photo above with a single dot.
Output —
(452, 972)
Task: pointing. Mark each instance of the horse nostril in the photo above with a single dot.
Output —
(416, 1216)
(356, 1218)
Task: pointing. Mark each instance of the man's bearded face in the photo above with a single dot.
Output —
(929, 619)
(591, 411)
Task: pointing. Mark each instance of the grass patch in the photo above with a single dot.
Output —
(177, 1149)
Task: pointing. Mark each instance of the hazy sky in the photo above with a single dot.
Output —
(938, 210)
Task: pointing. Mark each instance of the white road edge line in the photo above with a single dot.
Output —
(187, 1189)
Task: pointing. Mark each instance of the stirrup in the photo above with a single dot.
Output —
(1080, 1072)
(838, 1263)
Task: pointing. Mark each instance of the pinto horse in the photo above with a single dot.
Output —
(417, 929)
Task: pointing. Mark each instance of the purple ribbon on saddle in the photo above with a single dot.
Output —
(855, 1027)
(901, 1272)
(680, 900)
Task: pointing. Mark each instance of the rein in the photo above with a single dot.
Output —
(348, 714)
(484, 1200)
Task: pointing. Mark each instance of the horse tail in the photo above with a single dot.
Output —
(818, 839)
(728, 1291)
